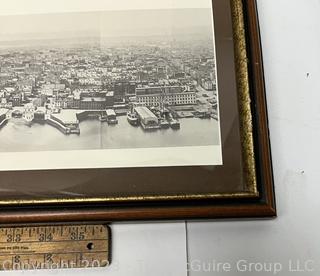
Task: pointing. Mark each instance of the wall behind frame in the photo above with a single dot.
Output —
(291, 49)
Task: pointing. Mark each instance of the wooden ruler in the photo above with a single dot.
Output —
(53, 247)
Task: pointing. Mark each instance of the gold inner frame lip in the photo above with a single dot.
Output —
(128, 199)
(248, 156)
(244, 99)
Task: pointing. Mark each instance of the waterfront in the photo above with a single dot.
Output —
(97, 135)
(110, 99)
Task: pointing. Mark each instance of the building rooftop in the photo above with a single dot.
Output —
(93, 99)
(145, 112)
(66, 116)
(110, 112)
(147, 89)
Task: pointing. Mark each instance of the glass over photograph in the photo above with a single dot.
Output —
(109, 88)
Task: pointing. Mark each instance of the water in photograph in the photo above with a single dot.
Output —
(16, 136)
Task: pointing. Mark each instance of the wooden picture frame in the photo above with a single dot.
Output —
(243, 184)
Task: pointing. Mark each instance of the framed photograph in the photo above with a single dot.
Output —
(132, 109)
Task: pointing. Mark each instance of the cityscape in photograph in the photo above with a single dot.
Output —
(153, 82)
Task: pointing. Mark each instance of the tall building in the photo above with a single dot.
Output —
(172, 95)
(110, 99)
(93, 103)
(16, 100)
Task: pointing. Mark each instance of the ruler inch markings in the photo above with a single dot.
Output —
(55, 246)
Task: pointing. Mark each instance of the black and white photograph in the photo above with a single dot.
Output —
(117, 86)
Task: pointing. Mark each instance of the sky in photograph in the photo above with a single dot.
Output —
(9, 7)
(105, 23)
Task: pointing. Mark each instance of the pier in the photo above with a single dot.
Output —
(148, 120)
(66, 121)
(3, 116)
(87, 114)
(59, 126)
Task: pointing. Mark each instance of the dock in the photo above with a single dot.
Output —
(3, 116)
(66, 121)
(148, 120)
(57, 125)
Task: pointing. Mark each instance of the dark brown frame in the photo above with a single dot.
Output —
(261, 206)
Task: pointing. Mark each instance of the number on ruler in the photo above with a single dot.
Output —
(13, 238)
(77, 236)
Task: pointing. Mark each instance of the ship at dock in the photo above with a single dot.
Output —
(166, 118)
(161, 114)
(103, 117)
(174, 123)
(132, 117)
(111, 117)
(164, 123)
